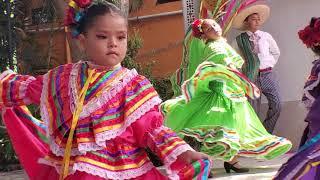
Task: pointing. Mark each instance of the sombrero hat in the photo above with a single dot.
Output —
(213, 4)
(260, 8)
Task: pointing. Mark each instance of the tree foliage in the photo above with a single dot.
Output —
(53, 10)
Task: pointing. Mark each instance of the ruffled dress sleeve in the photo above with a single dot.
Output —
(27, 134)
(18, 90)
(312, 88)
(220, 52)
(211, 77)
(167, 145)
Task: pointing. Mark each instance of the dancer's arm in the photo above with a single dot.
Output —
(17, 90)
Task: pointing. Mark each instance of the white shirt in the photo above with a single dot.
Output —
(269, 51)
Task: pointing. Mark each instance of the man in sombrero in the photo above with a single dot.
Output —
(261, 54)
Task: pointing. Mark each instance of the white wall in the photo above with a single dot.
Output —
(287, 18)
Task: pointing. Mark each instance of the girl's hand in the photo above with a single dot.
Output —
(192, 156)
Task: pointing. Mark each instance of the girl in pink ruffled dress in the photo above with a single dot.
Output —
(97, 117)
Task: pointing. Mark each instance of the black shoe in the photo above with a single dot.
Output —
(228, 167)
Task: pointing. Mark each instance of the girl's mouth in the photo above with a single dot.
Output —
(112, 53)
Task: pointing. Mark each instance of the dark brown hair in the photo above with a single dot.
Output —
(95, 10)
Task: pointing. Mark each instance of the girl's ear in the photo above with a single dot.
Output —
(204, 37)
(82, 42)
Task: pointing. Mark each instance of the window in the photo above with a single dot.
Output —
(42, 15)
(165, 1)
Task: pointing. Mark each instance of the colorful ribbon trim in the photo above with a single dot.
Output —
(76, 115)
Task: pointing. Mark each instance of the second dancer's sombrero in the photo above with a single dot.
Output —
(259, 8)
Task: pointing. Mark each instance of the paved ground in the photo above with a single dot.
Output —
(13, 175)
(259, 170)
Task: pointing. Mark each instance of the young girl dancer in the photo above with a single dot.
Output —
(98, 116)
(213, 109)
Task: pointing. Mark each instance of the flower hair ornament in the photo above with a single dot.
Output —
(310, 35)
(76, 11)
(197, 28)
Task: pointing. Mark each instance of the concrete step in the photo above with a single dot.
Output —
(259, 170)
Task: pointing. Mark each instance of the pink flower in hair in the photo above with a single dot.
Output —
(83, 3)
(310, 36)
(317, 24)
(196, 28)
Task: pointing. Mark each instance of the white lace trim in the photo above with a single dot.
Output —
(82, 148)
(2, 76)
(91, 146)
(6, 73)
(103, 173)
(58, 151)
(43, 107)
(73, 91)
(306, 90)
(126, 174)
(161, 128)
(307, 104)
(172, 157)
(137, 114)
(22, 87)
(98, 102)
(23, 90)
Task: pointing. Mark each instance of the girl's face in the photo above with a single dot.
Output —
(105, 42)
(211, 29)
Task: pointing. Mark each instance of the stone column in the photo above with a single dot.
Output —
(123, 5)
(191, 10)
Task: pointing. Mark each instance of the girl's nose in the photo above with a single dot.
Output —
(112, 42)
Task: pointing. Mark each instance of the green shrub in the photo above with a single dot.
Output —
(7, 155)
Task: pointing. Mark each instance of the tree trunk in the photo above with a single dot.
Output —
(60, 6)
(76, 54)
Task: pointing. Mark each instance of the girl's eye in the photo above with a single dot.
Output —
(122, 37)
(101, 36)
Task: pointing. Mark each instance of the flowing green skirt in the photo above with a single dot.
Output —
(214, 111)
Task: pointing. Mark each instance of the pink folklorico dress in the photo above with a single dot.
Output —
(118, 118)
